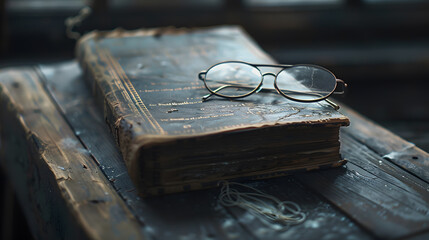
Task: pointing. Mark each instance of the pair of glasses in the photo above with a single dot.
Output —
(302, 83)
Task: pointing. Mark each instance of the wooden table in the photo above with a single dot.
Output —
(72, 183)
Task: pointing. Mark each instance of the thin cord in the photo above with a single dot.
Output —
(270, 210)
(71, 22)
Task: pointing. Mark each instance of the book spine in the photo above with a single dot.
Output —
(100, 77)
(103, 91)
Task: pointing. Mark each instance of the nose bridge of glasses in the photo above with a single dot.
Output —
(263, 77)
(269, 74)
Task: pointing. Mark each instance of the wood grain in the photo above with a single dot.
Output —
(188, 215)
(386, 200)
(388, 145)
(193, 214)
(58, 152)
(54, 174)
(380, 196)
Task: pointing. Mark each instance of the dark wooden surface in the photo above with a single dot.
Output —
(194, 214)
(61, 189)
(370, 197)
(383, 191)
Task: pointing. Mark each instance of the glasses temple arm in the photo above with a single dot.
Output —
(334, 105)
(205, 97)
(343, 87)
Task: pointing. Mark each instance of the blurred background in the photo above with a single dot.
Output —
(379, 47)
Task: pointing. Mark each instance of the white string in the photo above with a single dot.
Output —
(270, 210)
(71, 22)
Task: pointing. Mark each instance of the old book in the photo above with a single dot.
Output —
(146, 81)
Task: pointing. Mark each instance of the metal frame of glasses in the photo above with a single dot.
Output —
(301, 82)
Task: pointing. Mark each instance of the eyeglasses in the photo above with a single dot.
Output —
(302, 83)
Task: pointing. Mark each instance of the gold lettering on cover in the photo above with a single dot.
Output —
(172, 89)
(174, 104)
(195, 118)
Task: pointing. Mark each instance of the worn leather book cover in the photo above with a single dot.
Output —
(147, 83)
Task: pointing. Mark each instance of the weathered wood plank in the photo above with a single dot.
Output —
(387, 144)
(62, 189)
(194, 214)
(380, 196)
(188, 215)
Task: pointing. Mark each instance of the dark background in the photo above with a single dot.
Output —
(379, 47)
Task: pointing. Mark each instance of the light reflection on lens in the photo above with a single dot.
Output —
(233, 79)
(306, 83)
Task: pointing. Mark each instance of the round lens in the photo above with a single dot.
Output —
(233, 79)
(306, 83)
